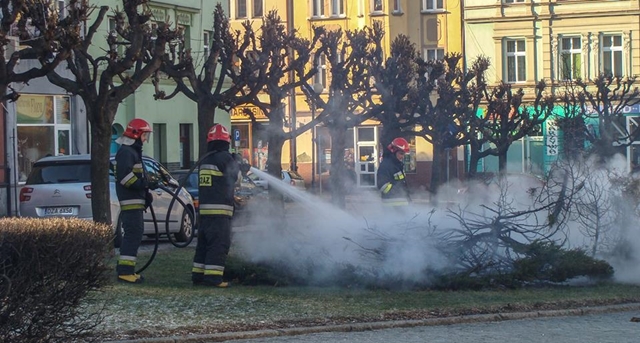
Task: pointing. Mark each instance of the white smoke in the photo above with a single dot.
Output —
(403, 244)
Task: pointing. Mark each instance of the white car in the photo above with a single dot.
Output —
(60, 186)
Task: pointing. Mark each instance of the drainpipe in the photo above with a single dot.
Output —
(7, 169)
(462, 37)
(292, 97)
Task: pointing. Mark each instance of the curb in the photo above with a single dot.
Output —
(494, 317)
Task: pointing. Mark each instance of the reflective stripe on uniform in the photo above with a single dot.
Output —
(395, 202)
(216, 209)
(133, 204)
(398, 176)
(213, 270)
(128, 180)
(386, 188)
(197, 268)
(210, 169)
(137, 168)
(127, 260)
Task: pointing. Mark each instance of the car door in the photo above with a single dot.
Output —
(161, 198)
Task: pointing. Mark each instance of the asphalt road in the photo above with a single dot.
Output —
(594, 328)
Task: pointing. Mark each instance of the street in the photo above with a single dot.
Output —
(595, 328)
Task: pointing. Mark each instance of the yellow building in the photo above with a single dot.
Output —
(433, 25)
(553, 40)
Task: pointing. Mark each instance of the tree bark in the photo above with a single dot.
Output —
(502, 161)
(337, 173)
(206, 118)
(100, 118)
(438, 169)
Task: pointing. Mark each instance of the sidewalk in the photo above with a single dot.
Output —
(357, 327)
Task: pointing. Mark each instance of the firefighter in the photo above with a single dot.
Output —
(217, 178)
(132, 188)
(390, 175)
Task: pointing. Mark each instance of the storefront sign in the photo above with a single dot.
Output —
(158, 13)
(183, 18)
(551, 138)
(34, 109)
(239, 113)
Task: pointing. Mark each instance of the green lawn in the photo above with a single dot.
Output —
(168, 304)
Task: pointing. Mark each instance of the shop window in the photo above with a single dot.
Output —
(43, 129)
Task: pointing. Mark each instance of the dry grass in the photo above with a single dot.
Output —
(167, 304)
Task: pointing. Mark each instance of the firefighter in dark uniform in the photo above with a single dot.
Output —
(132, 188)
(391, 179)
(217, 178)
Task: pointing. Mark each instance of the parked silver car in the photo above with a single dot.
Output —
(287, 176)
(60, 186)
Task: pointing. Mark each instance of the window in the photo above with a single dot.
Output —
(612, 55)
(512, 1)
(570, 58)
(241, 8)
(258, 8)
(396, 6)
(62, 9)
(432, 5)
(43, 128)
(377, 5)
(206, 42)
(321, 75)
(318, 8)
(434, 54)
(337, 7)
(516, 60)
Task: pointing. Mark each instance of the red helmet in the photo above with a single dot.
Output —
(218, 133)
(398, 144)
(136, 128)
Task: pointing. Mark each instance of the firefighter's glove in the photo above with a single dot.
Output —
(148, 200)
(153, 185)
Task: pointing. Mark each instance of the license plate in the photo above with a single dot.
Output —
(49, 211)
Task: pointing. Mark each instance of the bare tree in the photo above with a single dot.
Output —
(268, 60)
(508, 118)
(348, 55)
(447, 105)
(211, 86)
(43, 35)
(395, 80)
(600, 104)
(135, 52)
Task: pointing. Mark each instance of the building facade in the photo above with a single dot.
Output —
(433, 25)
(47, 121)
(553, 40)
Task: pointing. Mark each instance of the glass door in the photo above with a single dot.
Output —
(366, 138)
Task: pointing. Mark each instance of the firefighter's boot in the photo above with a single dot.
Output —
(131, 278)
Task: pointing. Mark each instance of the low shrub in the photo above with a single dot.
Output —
(48, 267)
(549, 262)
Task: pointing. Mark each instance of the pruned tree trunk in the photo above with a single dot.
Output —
(502, 161)
(206, 118)
(101, 119)
(439, 168)
(338, 172)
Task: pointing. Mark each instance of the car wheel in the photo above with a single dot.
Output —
(186, 226)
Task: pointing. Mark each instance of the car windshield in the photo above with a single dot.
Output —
(192, 181)
(60, 173)
(295, 175)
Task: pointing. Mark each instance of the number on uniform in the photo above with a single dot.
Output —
(205, 180)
